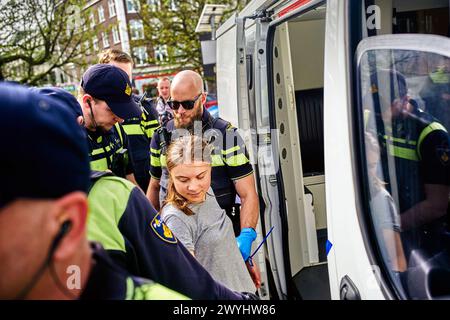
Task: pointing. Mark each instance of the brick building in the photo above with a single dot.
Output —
(120, 27)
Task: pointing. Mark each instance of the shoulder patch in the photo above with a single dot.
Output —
(443, 153)
(162, 230)
(128, 90)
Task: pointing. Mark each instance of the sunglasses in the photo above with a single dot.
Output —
(187, 105)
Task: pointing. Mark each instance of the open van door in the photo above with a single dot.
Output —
(385, 100)
(296, 103)
(255, 119)
(240, 64)
(284, 112)
(281, 105)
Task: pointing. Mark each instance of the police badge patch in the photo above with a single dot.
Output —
(162, 230)
(443, 153)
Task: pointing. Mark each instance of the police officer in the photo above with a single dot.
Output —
(232, 172)
(45, 176)
(419, 145)
(138, 129)
(105, 99)
(65, 98)
(122, 219)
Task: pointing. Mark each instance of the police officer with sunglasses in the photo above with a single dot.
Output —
(232, 173)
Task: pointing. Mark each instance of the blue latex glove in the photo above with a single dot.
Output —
(244, 241)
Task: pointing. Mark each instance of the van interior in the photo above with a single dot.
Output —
(297, 66)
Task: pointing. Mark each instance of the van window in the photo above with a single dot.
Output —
(404, 97)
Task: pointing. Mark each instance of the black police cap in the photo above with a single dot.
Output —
(45, 153)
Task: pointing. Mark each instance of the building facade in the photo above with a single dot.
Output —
(120, 27)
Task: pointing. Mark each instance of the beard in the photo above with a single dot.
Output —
(189, 125)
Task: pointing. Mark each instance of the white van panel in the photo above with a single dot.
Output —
(348, 256)
(306, 60)
(226, 76)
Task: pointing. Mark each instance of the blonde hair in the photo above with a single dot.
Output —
(116, 55)
(185, 150)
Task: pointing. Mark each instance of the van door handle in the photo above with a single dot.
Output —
(348, 290)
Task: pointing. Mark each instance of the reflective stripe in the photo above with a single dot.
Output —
(237, 160)
(404, 141)
(150, 132)
(119, 131)
(439, 77)
(100, 154)
(240, 177)
(404, 153)
(133, 129)
(155, 291)
(99, 165)
(149, 127)
(155, 151)
(130, 289)
(149, 123)
(425, 132)
(217, 161)
(104, 216)
(100, 150)
(235, 148)
(155, 161)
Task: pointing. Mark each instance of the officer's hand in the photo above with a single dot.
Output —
(244, 241)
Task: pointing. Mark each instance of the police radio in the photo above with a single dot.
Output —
(120, 163)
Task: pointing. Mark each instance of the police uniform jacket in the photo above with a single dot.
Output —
(230, 160)
(420, 147)
(139, 132)
(105, 148)
(107, 281)
(122, 219)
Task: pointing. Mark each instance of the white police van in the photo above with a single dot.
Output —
(293, 76)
